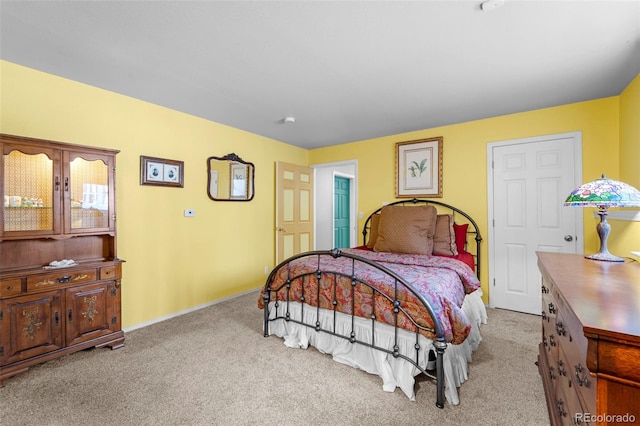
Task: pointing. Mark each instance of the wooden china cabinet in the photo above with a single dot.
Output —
(59, 272)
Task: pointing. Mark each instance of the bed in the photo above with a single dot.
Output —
(406, 302)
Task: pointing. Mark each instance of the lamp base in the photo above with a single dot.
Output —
(603, 229)
(607, 257)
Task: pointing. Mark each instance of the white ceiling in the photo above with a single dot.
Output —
(346, 70)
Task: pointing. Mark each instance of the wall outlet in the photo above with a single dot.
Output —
(189, 213)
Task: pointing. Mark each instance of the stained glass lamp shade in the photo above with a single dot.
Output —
(604, 193)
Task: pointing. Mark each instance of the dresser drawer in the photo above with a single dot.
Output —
(10, 288)
(59, 279)
(108, 273)
(575, 378)
(569, 409)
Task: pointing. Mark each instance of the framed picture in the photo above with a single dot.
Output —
(161, 172)
(239, 181)
(419, 168)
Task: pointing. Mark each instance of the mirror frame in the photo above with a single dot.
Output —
(232, 158)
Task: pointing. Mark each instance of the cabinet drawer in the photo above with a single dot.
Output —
(577, 381)
(108, 273)
(60, 278)
(10, 288)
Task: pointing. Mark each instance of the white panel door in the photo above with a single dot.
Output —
(531, 180)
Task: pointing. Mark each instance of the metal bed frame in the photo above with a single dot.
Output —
(280, 308)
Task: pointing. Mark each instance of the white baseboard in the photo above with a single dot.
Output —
(186, 311)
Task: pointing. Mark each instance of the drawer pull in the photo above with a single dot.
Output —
(545, 290)
(583, 380)
(561, 410)
(552, 340)
(64, 279)
(70, 315)
(552, 308)
(544, 315)
(560, 328)
(561, 370)
(57, 318)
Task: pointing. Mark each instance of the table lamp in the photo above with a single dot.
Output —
(604, 193)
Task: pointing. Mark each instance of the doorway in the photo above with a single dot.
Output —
(528, 180)
(341, 212)
(294, 210)
(325, 175)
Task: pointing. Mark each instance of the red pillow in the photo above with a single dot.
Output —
(461, 236)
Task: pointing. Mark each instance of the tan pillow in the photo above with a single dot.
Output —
(406, 229)
(444, 240)
(373, 231)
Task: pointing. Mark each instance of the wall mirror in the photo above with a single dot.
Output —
(230, 178)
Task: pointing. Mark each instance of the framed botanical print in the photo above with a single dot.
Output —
(419, 168)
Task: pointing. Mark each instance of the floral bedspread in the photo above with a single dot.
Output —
(443, 282)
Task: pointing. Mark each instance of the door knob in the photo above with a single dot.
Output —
(568, 237)
(281, 229)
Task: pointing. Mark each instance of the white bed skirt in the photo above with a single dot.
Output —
(395, 372)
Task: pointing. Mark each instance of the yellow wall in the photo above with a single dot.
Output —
(172, 262)
(175, 263)
(465, 157)
(625, 236)
(630, 133)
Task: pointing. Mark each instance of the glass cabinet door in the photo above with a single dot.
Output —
(30, 189)
(89, 201)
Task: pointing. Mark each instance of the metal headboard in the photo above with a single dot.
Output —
(472, 232)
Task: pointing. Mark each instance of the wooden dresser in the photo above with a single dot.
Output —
(589, 356)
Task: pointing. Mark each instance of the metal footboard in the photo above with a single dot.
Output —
(278, 309)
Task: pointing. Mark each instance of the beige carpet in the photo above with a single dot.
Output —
(214, 367)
